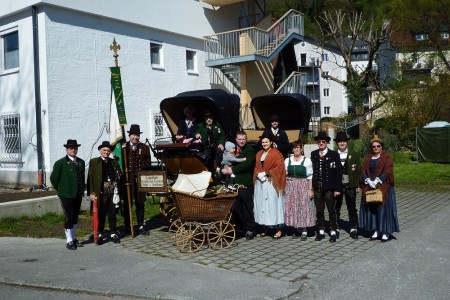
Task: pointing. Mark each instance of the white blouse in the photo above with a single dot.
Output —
(307, 164)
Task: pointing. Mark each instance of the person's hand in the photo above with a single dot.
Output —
(311, 193)
(358, 190)
(244, 159)
(371, 183)
(377, 181)
(220, 147)
(198, 136)
(227, 171)
(93, 197)
(337, 194)
(179, 137)
(275, 145)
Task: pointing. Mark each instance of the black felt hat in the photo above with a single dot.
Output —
(207, 113)
(105, 144)
(72, 143)
(341, 136)
(134, 129)
(322, 136)
(274, 118)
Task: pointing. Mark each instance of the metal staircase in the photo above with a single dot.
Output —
(228, 50)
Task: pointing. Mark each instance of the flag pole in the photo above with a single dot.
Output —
(115, 47)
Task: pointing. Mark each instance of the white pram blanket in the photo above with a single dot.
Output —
(192, 184)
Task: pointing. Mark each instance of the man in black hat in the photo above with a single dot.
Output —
(103, 185)
(213, 137)
(279, 136)
(327, 184)
(68, 179)
(138, 158)
(351, 167)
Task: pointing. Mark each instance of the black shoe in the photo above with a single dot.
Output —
(77, 243)
(319, 237)
(333, 238)
(304, 237)
(337, 234)
(354, 234)
(249, 235)
(99, 241)
(373, 239)
(143, 231)
(295, 235)
(71, 246)
(115, 239)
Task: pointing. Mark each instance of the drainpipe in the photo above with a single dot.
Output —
(37, 97)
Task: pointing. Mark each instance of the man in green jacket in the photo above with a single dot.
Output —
(243, 171)
(351, 167)
(103, 185)
(68, 179)
(213, 137)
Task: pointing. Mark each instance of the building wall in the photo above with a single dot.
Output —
(17, 96)
(75, 78)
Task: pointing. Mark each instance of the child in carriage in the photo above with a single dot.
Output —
(229, 159)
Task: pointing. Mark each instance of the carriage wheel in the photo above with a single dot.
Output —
(173, 228)
(167, 209)
(221, 235)
(190, 237)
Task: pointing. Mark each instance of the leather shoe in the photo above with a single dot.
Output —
(373, 239)
(337, 234)
(143, 231)
(71, 246)
(249, 235)
(319, 237)
(333, 238)
(77, 243)
(115, 239)
(354, 234)
(304, 237)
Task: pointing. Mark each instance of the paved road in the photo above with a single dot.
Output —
(414, 266)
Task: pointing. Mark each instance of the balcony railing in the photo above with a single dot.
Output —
(253, 40)
(295, 83)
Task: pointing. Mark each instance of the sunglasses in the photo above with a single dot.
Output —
(321, 142)
(376, 146)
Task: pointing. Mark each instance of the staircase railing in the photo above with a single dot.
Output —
(295, 83)
(253, 40)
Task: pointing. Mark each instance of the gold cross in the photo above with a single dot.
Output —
(115, 47)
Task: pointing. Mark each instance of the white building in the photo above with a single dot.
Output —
(55, 78)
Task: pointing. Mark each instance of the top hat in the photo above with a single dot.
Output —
(72, 143)
(322, 136)
(105, 144)
(341, 136)
(134, 129)
(274, 118)
(207, 113)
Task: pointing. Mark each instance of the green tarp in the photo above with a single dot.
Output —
(433, 144)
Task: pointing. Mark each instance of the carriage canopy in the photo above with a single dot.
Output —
(224, 107)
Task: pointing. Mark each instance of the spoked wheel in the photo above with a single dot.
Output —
(173, 228)
(167, 209)
(221, 235)
(190, 237)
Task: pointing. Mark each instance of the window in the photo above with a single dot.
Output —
(10, 50)
(445, 35)
(10, 147)
(325, 74)
(421, 37)
(156, 55)
(303, 59)
(191, 61)
(160, 132)
(326, 110)
(326, 92)
(324, 57)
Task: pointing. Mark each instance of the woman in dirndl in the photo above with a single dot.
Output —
(378, 173)
(299, 207)
(270, 180)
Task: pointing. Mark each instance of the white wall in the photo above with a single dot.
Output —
(74, 68)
